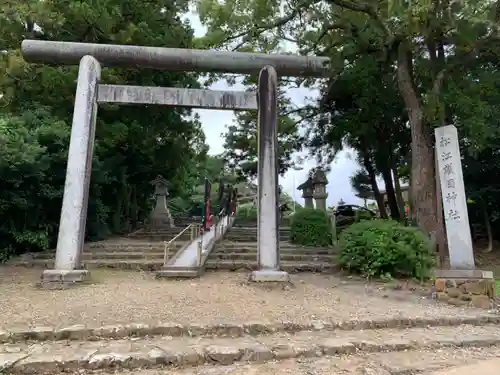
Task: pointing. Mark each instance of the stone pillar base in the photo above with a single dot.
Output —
(465, 287)
(269, 276)
(63, 279)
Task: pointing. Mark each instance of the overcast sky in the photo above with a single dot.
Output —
(214, 124)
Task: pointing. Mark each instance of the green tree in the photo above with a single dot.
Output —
(364, 108)
(241, 138)
(133, 143)
(430, 44)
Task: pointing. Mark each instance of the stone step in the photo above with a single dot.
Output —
(124, 256)
(300, 257)
(145, 246)
(254, 229)
(253, 224)
(83, 332)
(288, 266)
(249, 238)
(157, 352)
(243, 247)
(128, 264)
(445, 361)
(252, 234)
(159, 237)
(167, 232)
(119, 255)
(174, 232)
(283, 250)
(124, 264)
(175, 229)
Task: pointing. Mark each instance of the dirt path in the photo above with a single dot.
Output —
(123, 297)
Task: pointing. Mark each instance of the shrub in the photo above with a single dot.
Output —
(310, 227)
(247, 212)
(385, 248)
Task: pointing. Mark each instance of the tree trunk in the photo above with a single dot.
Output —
(373, 180)
(391, 195)
(133, 208)
(399, 192)
(487, 224)
(423, 188)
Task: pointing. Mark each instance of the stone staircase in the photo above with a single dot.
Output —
(249, 234)
(238, 251)
(381, 347)
(140, 250)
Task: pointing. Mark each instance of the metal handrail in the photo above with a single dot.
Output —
(167, 244)
(218, 229)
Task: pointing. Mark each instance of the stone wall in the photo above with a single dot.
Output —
(462, 292)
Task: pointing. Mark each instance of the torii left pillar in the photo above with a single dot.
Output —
(67, 269)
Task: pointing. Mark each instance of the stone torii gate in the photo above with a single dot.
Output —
(90, 92)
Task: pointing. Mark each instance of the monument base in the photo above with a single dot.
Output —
(464, 287)
(63, 279)
(269, 276)
(161, 222)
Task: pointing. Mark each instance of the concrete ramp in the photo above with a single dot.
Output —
(190, 259)
(486, 367)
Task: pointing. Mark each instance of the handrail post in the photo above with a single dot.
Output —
(198, 253)
(333, 222)
(165, 253)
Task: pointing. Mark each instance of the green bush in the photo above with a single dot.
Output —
(310, 227)
(385, 248)
(247, 211)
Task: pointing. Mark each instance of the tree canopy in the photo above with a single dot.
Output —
(133, 143)
(398, 69)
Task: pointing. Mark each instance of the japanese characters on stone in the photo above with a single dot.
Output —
(449, 188)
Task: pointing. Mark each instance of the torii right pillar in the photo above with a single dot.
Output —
(268, 247)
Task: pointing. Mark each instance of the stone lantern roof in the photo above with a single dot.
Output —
(308, 184)
(319, 177)
(161, 185)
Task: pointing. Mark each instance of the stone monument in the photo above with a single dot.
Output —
(160, 217)
(307, 193)
(319, 182)
(462, 282)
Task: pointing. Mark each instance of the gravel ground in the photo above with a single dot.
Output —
(123, 297)
(411, 362)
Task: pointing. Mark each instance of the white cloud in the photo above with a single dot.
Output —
(214, 123)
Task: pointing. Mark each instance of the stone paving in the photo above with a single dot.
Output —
(389, 363)
(130, 297)
(165, 351)
(318, 324)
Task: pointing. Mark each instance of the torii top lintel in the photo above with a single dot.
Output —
(173, 59)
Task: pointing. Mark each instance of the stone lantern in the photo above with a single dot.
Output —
(319, 182)
(307, 193)
(160, 217)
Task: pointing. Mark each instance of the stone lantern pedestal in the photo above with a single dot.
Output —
(319, 182)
